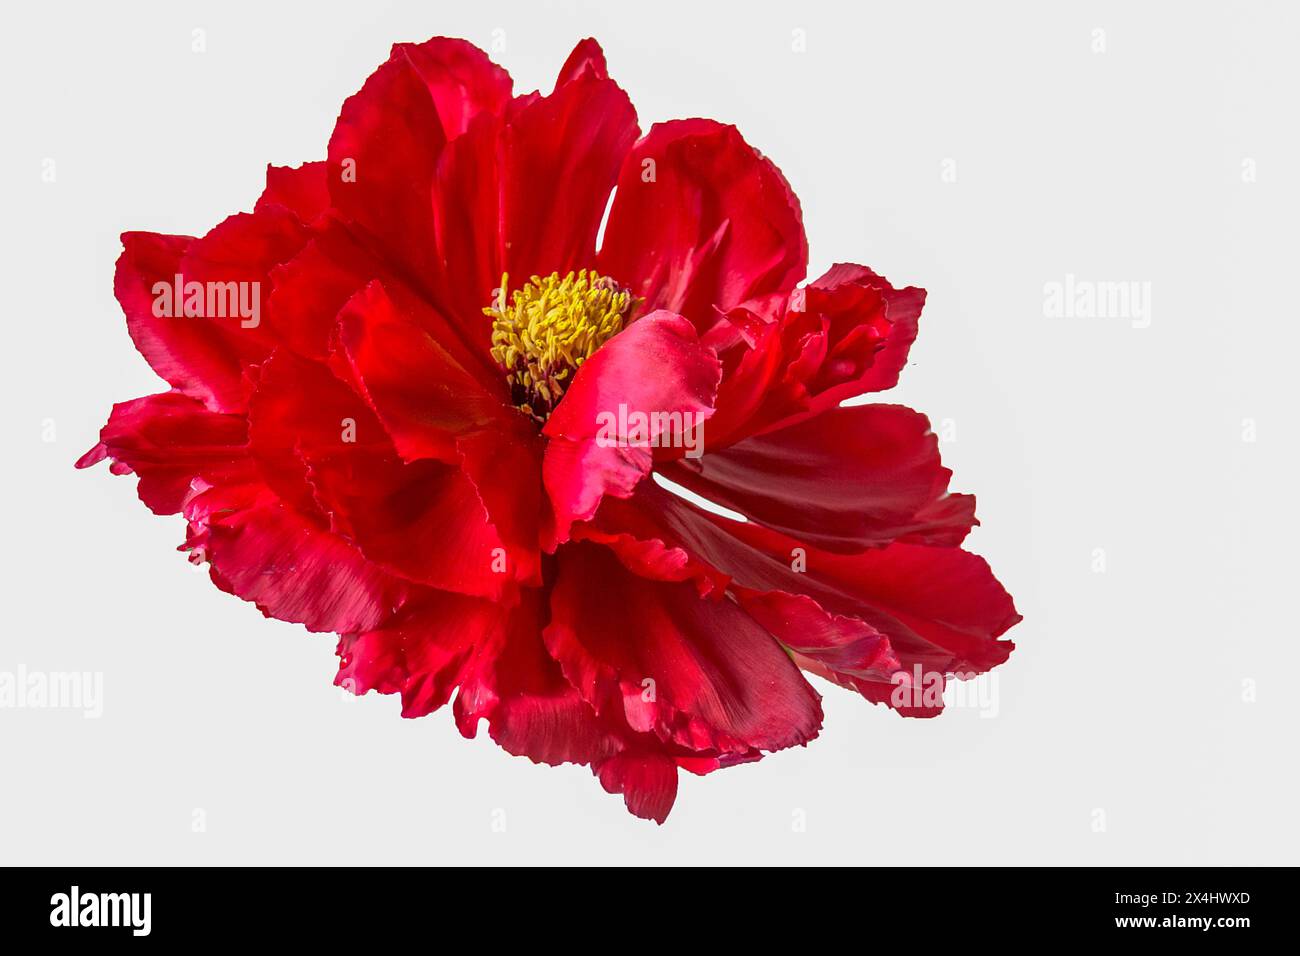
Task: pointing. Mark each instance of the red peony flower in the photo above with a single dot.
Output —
(414, 404)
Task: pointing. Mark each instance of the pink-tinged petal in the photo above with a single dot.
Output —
(265, 553)
(702, 222)
(169, 440)
(424, 398)
(423, 653)
(303, 190)
(698, 673)
(584, 461)
(648, 783)
(848, 479)
(560, 156)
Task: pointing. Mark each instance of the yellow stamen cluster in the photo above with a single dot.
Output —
(548, 328)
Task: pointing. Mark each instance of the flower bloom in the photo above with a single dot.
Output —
(415, 403)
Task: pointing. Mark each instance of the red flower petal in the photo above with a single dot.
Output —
(206, 356)
(188, 353)
(302, 417)
(845, 645)
(560, 156)
(587, 57)
(422, 395)
(848, 479)
(194, 460)
(462, 82)
(939, 608)
(504, 462)
(649, 556)
(644, 532)
(849, 297)
(850, 335)
(169, 440)
(422, 654)
(495, 654)
(302, 190)
(246, 248)
(309, 290)
(698, 673)
(381, 161)
(324, 452)
(531, 709)
(385, 148)
(433, 408)
(701, 222)
(312, 289)
(648, 783)
(422, 520)
(263, 552)
(577, 470)
(467, 225)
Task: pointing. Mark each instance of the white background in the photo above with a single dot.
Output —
(1128, 693)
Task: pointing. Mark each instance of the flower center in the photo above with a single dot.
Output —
(549, 328)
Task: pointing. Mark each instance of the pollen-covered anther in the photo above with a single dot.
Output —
(544, 332)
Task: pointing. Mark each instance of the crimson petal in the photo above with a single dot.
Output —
(848, 479)
(188, 353)
(303, 190)
(699, 673)
(422, 395)
(702, 222)
(580, 468)
(265, 553)
(169, 440)
(560, 157)
(422, 654)
(845, 334)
